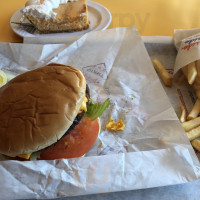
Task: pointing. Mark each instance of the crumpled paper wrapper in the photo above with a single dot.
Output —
(153, 150)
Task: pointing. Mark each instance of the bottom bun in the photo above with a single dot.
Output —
(76, 143)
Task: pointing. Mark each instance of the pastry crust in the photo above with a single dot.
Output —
(70, 17)
(37, 107)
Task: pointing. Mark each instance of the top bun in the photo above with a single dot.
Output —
(38, 107)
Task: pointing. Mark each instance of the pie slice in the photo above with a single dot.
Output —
(57, 15)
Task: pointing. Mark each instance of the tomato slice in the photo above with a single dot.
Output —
(76, 143)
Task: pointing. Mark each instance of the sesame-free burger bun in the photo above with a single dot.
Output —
(38, 107)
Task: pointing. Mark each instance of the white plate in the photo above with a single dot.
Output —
(99, 17)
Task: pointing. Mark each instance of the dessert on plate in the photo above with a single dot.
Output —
(57, 15)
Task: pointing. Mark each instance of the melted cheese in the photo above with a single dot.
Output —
(25, 156)
(3, 78)
(115, 126)
(84, 105)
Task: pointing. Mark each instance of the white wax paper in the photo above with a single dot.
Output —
(152, 151)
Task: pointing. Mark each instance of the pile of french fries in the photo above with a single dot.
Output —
(190, 122)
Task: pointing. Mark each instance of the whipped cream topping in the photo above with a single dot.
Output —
(43, 8)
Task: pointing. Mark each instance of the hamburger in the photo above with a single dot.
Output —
(47, 114)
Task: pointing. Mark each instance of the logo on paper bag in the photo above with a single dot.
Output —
(191, 42)
(95, 73)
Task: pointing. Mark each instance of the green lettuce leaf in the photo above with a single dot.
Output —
(95, 110)
(35, 156)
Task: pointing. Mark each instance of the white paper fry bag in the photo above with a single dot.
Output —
(188, 51)
(152, 151)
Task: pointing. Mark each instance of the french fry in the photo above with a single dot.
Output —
(194, 133)
(195, 110)
(198, 66)
(181, 78)
(197, 79)
(162, 72)
(183, 114)
(189, 125)
(190, 72)
(185, 71)
(196, 144)
(196, 86)
(198, 93)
